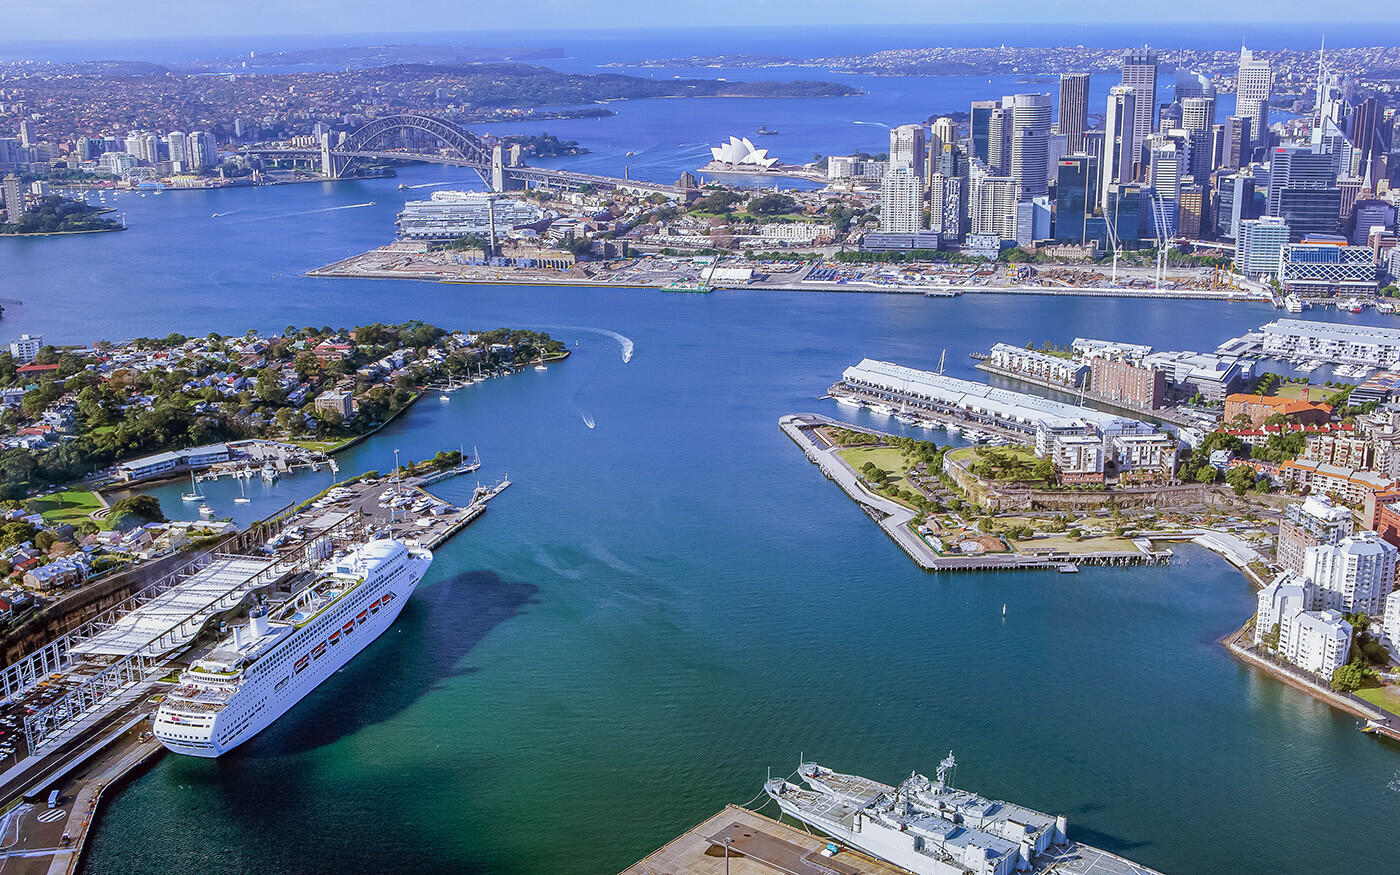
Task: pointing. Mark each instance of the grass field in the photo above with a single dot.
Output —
(70, 506)
(317, 446)
(887, 458)
(1386, 697)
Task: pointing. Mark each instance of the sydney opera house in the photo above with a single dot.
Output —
(741, 155)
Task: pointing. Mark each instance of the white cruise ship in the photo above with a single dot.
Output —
(265, 667)
(930, 828)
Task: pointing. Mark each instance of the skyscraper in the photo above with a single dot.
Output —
(980, 122)
(1074, 109)
(901, 200)
(907, 149)
(179, 149)
(1117, 164)
(1140, 74)
(26, 133)
(1030, 134)
(1253, 89)
(945, 200)
(946, 130)
(1234, 137)
(999, 140)
(1198, 113)
(992, 204)
(1190, 83)
(1076, 195)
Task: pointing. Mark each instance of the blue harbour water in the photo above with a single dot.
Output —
(665, 606)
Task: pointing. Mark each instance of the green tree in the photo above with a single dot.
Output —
(1349, 677)
(145, 508)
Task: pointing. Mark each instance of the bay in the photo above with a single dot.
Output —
(664, 607)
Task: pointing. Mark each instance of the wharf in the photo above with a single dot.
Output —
(110, 743)
(1163, 414)
(895, 519)
(742, 842)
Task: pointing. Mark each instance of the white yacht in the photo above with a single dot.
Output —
(261, 670)
(848, 401)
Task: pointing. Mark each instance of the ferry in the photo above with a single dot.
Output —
(1294, 304)
(267, 665)
(929, 828)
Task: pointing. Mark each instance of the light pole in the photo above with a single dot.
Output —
(726, 854)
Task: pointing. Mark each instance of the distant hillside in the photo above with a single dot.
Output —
(526, 85)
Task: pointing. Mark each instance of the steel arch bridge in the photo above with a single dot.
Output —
(374, 137)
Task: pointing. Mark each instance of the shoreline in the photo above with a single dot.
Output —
(512, 276)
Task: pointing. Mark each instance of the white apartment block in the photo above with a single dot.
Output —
(1353, 576)
(26, 348)
(1317, 641)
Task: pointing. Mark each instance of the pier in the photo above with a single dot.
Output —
(743, 842)
(79, 735)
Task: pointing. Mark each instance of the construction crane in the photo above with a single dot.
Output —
(1159, 227)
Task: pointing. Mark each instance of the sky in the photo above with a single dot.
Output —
(103, 19)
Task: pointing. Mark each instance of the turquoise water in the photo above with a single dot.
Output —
(664, 607)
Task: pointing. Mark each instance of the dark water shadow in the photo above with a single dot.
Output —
(423, 648)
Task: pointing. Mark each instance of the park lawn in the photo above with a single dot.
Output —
(70, 506)
(1295, 391)
(886, 458)
(317, 446)
(1385, 697)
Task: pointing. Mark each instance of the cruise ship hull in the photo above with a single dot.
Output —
(305, 659)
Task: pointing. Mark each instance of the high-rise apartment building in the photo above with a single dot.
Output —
(1353, 576)
(907, 148)
(1074, 109)
(1029, 135)
(1254, 87)
(1140, 74)
(999, 140)
(12, 194)
(1118, 150)
(945, 131)
(992, 203)
(946, 195)
(1310, 523)
(177, 143)
(901, 200)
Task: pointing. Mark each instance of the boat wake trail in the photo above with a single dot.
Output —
(876, 124)
(587, 420)
(625, 342)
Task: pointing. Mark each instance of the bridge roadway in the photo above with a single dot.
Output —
(567, 180)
